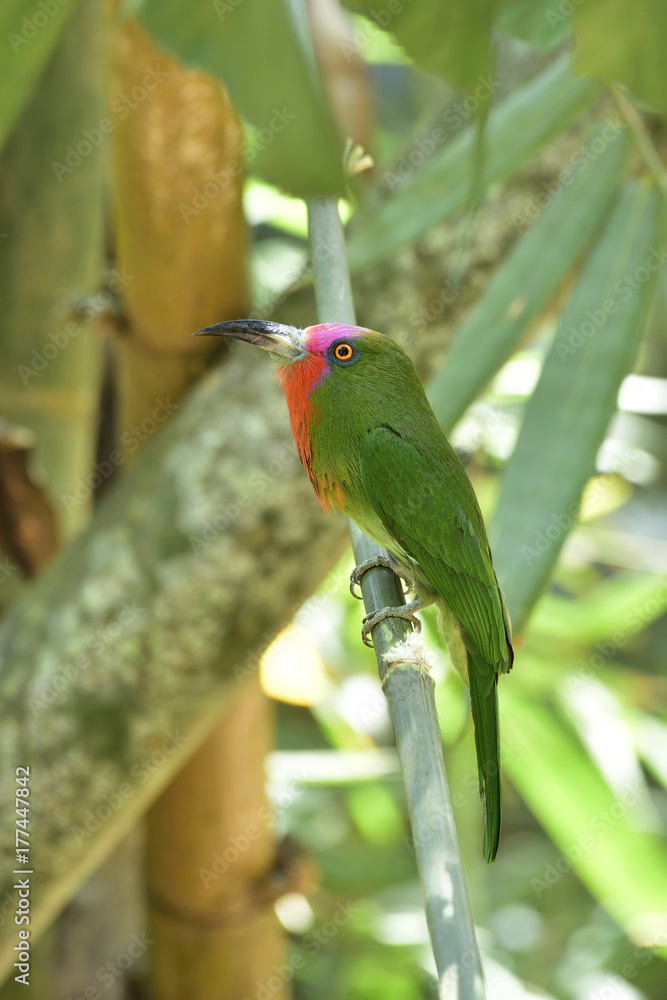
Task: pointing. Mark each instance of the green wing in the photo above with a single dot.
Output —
(427, 504)
(424, 500)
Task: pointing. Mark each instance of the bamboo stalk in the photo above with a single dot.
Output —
(215, 936)
(409, 690)
(210, 862)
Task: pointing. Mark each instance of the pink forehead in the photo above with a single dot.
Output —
(318, 338)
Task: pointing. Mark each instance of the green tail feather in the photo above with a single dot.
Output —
(484, 705)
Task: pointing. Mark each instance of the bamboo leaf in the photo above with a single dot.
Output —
(32, 32)
(520, 126)
(568, 414)
(615, 609)
(451, 39)
(528, 278)
(601, 836)
(628, 50)
(267, 64)
(651, 740)
(539, 22)
(51, 215)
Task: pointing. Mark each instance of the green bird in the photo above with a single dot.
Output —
(369, 441)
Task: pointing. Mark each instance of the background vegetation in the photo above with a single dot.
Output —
(504, 184)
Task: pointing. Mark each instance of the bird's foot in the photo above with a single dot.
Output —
(363, 567)
(405, 611)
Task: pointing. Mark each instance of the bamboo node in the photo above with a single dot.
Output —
(291, 871)
(408, 653)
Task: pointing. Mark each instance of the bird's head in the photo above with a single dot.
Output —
(306, 359)
(327, 345)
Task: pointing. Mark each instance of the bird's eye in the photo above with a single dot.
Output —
(344, 352)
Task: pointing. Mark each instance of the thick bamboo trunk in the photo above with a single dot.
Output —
(211, 859)
(176, 132)
(189, 270)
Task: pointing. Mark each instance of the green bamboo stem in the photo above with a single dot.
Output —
(409, 690)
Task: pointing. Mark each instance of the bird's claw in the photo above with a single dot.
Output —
(363, 567)
(375, 617)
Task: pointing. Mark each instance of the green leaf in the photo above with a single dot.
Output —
(261, 50)
(623, 865)
(31, 30)
(542, 23)
(650, 736)
(452, 39)
(625, 47)
(375, 813)
(520, 126)
(615, 609)
(52, 216)
(530, 275)
(568, 414)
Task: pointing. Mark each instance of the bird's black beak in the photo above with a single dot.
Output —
(273, 337)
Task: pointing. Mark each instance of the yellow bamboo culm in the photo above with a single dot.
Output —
(178, 179)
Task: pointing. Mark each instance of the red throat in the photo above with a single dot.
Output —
(298, 380)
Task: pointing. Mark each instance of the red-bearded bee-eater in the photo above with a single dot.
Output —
(369, 441)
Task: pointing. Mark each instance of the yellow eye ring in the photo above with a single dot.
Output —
(343, 352)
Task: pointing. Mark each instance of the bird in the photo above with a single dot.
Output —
(370, 443)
